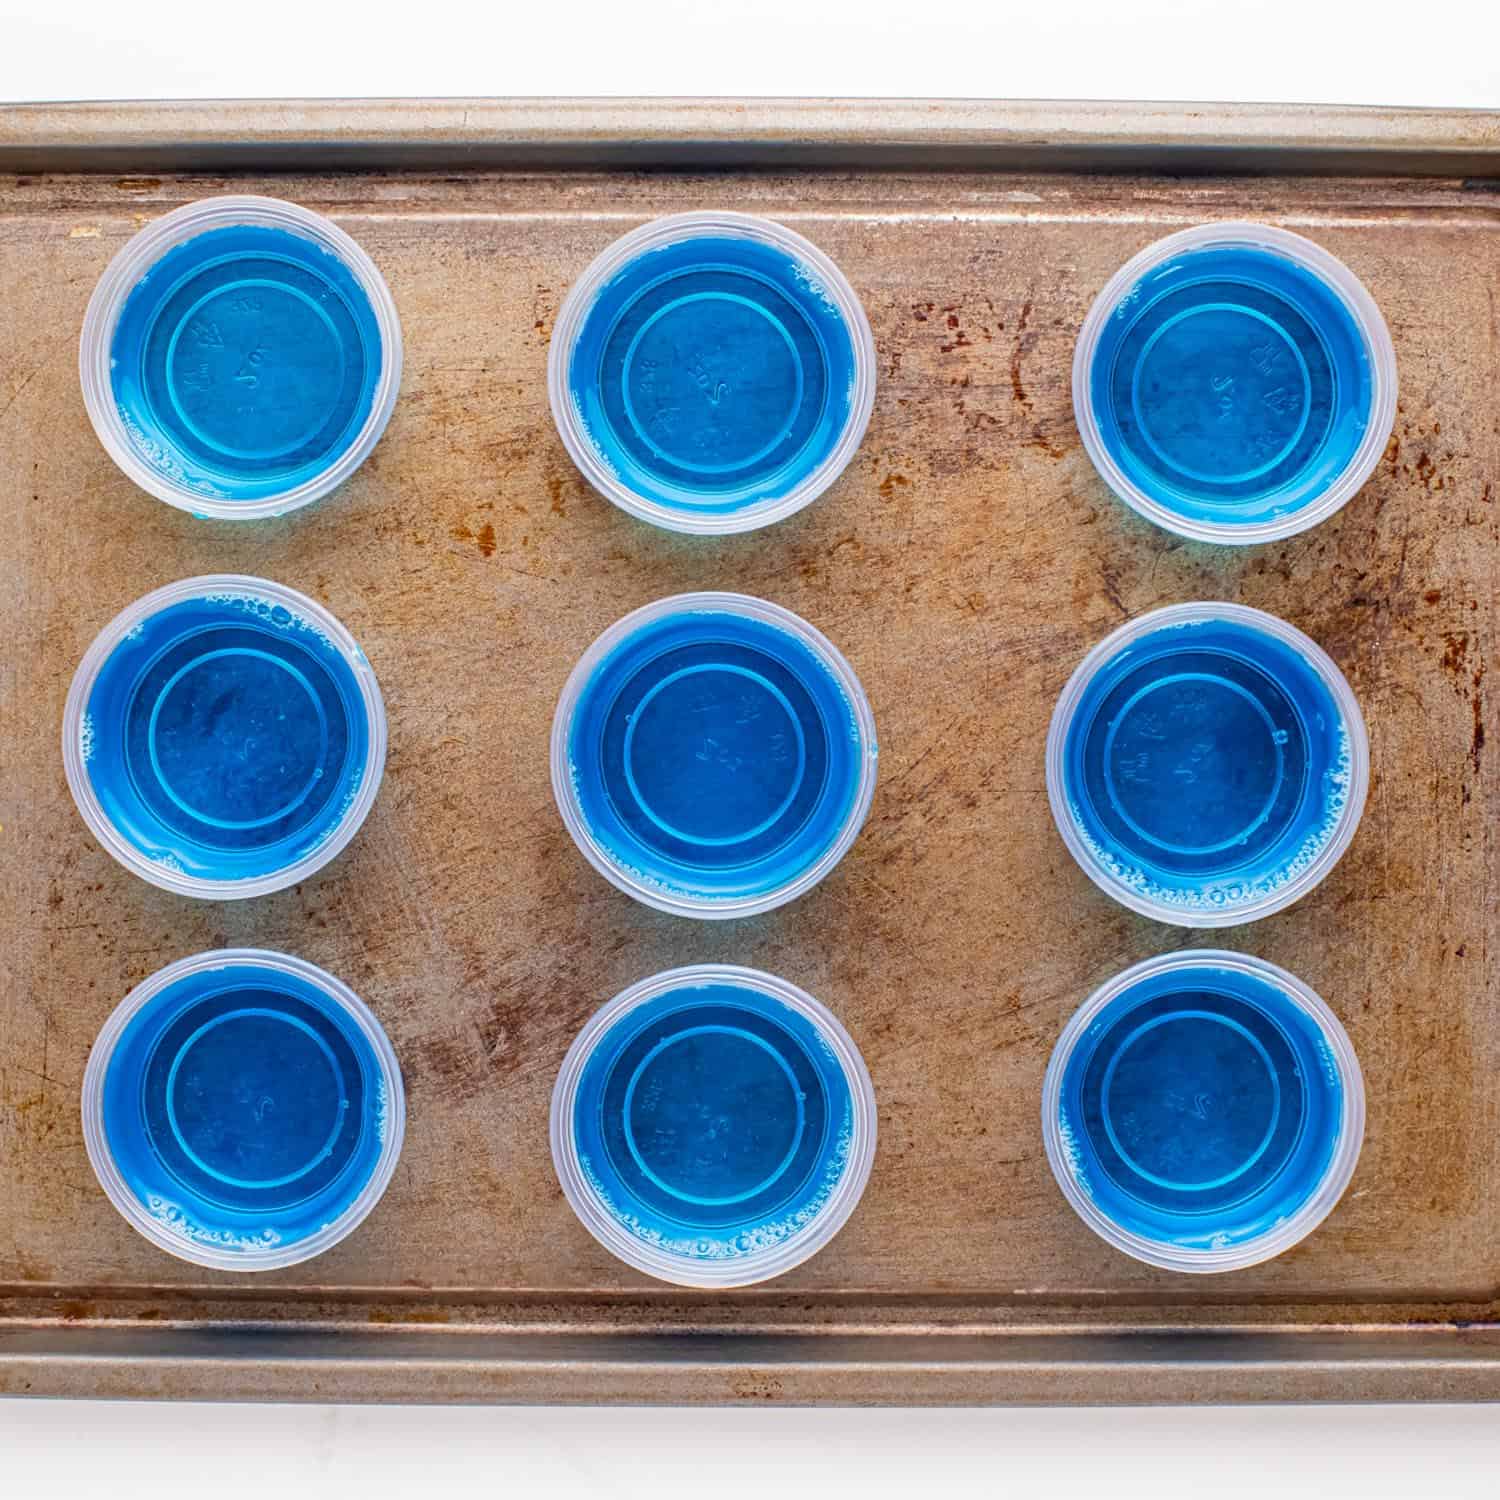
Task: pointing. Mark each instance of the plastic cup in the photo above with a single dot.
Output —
(713, 1126)
(713, 755)
(1203, 1111)
(711, 372)
(1234, 383)
(240, 357)
(243, 1110)
(224, 737)
(1207, 764)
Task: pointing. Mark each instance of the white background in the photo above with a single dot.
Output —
(1423, 52)
(1435, 52)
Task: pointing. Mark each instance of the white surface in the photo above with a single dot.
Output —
(59, 1449)
(132, 1452)
(1420, 52)
(1376, 52)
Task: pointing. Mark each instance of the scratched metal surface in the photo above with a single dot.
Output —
(964, 563)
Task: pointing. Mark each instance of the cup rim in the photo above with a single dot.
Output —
(101, 1158)
(756, 1265)
(1332, 678)
(1336, 1175)
(142, 251)
(565, 792)
(81, 785)
(654, 235)
(1367, 318)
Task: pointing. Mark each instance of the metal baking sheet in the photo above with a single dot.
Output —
(965, 562)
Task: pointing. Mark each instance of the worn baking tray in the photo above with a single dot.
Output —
(964, 562)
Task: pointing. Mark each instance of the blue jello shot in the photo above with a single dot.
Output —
(243, 1110)
(1203, 1111)
(711, 372)
(713, 755)
(1234, 383)
(240, 357)
(1207, 764)
(224, 737)
(713, 1126)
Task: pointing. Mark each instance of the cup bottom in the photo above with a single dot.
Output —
(1203, 1111)
(221, 734)
(243, 1110)
(713, 1126)
(708, 754)
(1206, 764)
(245, 362)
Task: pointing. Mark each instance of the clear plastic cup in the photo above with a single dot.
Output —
(1203, 1111)
(243, 1110)
(711, 372)
(1207, 764)
(224, 737)
(1234, 383)
(713, 755)
(240, 357)
(713, 1126)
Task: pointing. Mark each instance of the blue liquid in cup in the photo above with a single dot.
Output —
(1232, 385)
(713, 373)
(1206, 765)
(244, 1109)
(245, 362)
(714, 756)
(1201, 1108)
(713, 1121)
(225, 737)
